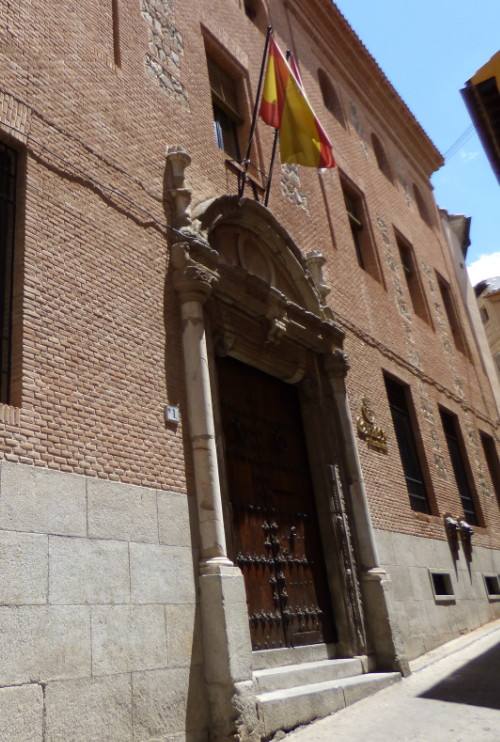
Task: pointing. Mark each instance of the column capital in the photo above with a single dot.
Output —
(195, 282)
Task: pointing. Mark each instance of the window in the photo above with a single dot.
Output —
(382, 161)
(401, 411)
(360, 229)
(226, 110)
(451, 313)
(492, 586)
(255, 11)
(410, 271)
(442, 587)
(8, 178)
(330, 97)
(460, 464)
(491, 456)
(422, 206)
(484, 314)
(116, 32)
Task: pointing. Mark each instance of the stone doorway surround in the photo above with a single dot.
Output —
(247, 291)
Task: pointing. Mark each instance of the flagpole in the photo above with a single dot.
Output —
(271, 166)
(246, 161)
(273, 153)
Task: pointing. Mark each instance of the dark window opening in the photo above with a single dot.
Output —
(491, 456)
(412, 278)
(226, 133)
(381, 157)
(484, 314)
(226, 110)
(459, 464)
(492, 585)
(8, 178)
(441, 582)
(422, 207)
(330, 97)
(116, 33)
(451, 313)
(255, 11)
(399, 403)
(360, 230)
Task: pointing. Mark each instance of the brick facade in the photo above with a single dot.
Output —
(97, 351)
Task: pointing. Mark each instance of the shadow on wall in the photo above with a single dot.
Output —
(474, 684)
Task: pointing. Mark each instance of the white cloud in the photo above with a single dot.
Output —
(486, 266)
(467, 156)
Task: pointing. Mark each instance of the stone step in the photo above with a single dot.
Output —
(280, 678)
(292, 655)
(287, 708)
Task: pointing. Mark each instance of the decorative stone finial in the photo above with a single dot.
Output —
(315, 262)
(178, 159)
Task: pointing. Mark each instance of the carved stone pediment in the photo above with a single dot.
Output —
(263, 297)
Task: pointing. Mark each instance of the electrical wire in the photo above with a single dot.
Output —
(459, 142)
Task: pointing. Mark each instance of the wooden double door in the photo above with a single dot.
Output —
(275, 539)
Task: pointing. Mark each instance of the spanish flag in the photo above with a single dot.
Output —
(303, 141)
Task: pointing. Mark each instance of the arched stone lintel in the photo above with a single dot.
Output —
(252, 216)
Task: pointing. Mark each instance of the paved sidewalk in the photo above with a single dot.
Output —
(452, 696)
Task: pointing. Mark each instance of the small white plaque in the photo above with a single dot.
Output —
(172, 414)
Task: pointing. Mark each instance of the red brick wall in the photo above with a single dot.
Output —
(100, 347)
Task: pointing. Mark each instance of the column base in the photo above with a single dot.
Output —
(383, 635)
(227, 652)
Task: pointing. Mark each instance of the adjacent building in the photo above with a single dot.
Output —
(488, 299)
(245, 449)
(482, 97)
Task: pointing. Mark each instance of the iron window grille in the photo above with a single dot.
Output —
(459, 464)
(8, 179)
(399, 404)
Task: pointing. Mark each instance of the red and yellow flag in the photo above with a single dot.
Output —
(284, 106)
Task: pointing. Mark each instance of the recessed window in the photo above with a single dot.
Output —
(460, 464)
(492, 586)
(381, 157)
(413, 282)
(8, 180)
(484, 314)
(402, 413)
(360, 228)
(451, 313)
(226, 105)
(330, 97)
(442, 586)
(422, 207)
(255, 11)
(491, 456)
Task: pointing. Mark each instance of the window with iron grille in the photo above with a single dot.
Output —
(400, 405)
(459, 464)
(491, 456)
(8, 177)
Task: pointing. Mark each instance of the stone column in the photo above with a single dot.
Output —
(226, 636)
(375, 583)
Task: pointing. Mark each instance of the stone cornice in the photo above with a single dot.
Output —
(324, 22)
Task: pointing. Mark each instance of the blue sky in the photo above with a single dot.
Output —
(428, 49)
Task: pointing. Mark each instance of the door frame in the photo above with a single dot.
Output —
(266, 307)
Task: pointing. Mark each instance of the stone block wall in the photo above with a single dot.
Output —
(423, 622)
(99, 636)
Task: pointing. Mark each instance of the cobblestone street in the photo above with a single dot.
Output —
(453, 695)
